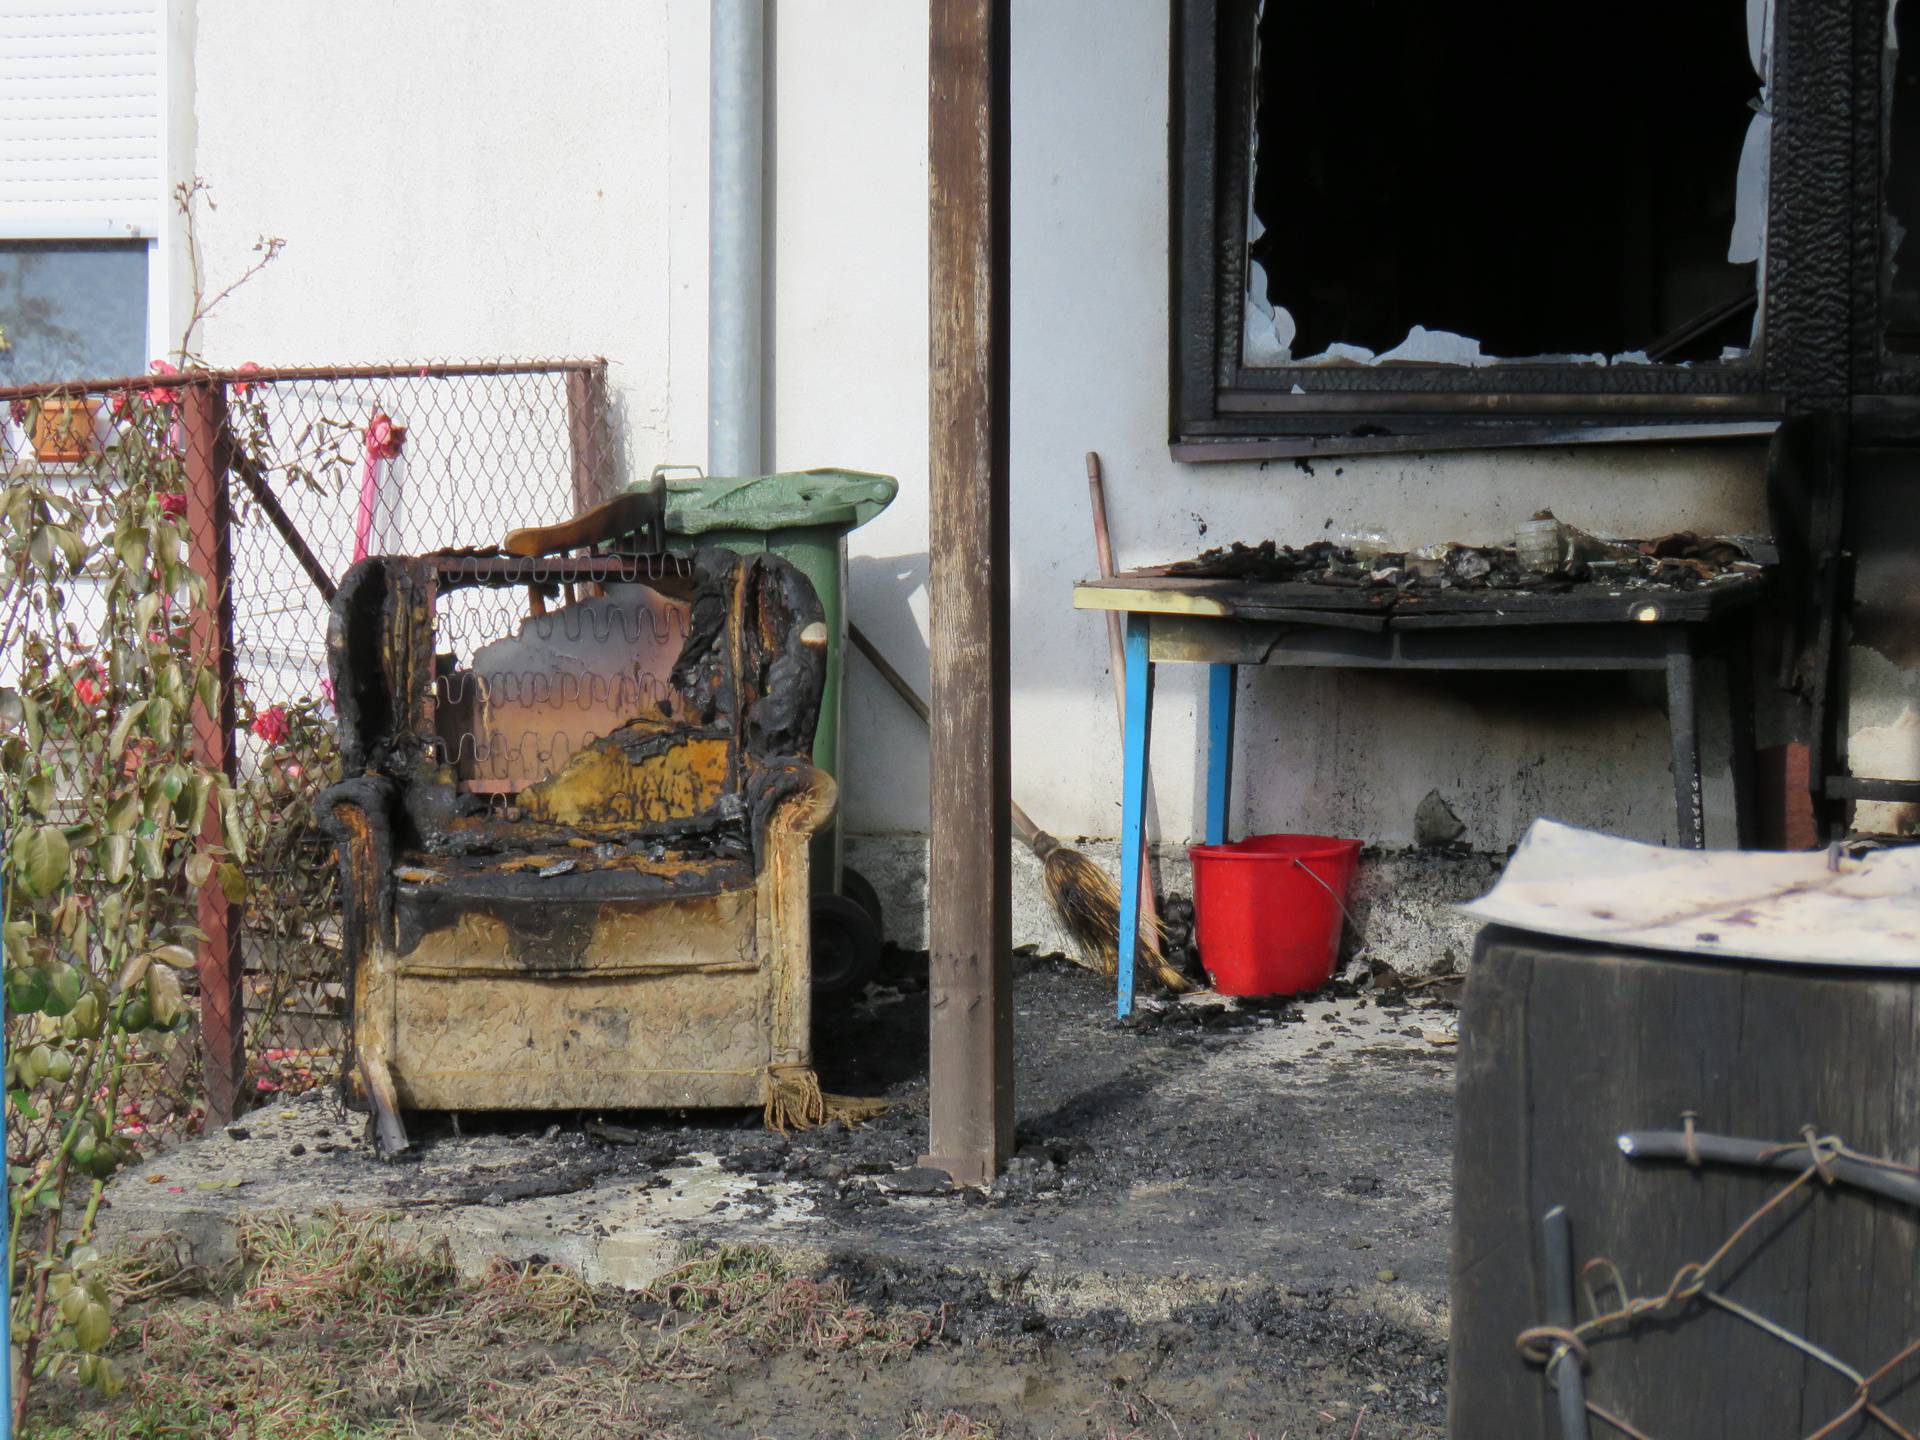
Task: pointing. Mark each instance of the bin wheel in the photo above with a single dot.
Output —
(857, 888)
(846, 945)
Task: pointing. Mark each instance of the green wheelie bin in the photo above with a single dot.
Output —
(804, 516)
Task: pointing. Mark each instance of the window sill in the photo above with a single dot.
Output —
(1436, 434)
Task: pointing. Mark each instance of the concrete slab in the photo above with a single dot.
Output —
(1199, 1152)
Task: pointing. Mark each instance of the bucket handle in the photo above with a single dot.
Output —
(1326, 887)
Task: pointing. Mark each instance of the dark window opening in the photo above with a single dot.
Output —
(1902, 289)
(1543, 180)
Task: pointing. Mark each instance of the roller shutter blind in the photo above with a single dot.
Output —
(81, 119)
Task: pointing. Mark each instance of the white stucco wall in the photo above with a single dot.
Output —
(487, 180)
(493, 179)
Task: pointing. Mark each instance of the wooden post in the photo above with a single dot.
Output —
(587, 437)
(970, 885)
(203, 421)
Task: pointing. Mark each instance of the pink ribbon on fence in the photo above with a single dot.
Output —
(383, 442)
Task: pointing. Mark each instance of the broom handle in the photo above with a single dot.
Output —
(1029, 832)
(1117, 664)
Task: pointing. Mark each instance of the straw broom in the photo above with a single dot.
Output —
(1083, 896)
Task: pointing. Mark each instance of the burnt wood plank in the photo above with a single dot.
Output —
(1231, 594)
(1584, 604)
(1619, 1040)
(1491, 1392)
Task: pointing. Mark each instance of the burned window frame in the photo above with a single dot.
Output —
(1821, 339)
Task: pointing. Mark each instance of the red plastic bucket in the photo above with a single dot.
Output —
(1267, 911)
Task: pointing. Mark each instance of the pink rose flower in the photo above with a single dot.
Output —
(271, 725)
(162, 394)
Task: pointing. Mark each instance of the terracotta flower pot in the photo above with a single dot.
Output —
(63, 430)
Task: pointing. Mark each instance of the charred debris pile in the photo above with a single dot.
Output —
(1547, 556)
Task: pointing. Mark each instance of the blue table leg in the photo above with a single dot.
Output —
(1133, 812)
(1221, 693)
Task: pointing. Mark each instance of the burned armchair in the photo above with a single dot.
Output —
(575, 860)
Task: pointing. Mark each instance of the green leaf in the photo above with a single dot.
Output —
(232, 826)
(116, 857)
(124, 813)
(66, 984)
(164, 993)
(160, 719)
(94, 1328)
(178, 956)
(39, 793)
(199, 869)
(133, 972)
(131, 546)
(149, 857)
(117, 743)
(199, 791)
(26, 990)
(233, 883)
(70, 545)
(41, 859)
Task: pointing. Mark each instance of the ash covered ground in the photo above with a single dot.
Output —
(1236, 1213)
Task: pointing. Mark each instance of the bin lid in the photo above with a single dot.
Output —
(1798, 907)
(789, 500)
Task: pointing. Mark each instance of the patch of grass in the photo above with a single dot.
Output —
(338, 1328)
(308, 1270)
(745, 1296)
(151, 1269)
(953, 1425)
(542, 1302)
(176, 1417)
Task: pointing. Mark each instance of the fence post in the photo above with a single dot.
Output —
(203, 422)
(586, 432)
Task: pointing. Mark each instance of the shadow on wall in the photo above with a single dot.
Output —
(1339, 752)
(880, 591)
(1355, 753)
(886, 761)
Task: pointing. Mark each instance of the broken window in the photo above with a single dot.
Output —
(1473, 182)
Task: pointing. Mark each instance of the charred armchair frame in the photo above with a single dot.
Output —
(623, 921)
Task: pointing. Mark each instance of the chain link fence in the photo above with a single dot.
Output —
(293, 475)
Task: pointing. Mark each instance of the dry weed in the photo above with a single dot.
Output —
(744, 1297)
(337, 1328)
(340, 1264)
(954, 1425)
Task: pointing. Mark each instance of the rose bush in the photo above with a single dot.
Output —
(107, 845)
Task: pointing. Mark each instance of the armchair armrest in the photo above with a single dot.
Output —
(793, 801)
(357, 814)
(790, 801)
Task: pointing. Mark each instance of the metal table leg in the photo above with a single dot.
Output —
(1222, 692)
(1133, 814)
(1746, 781)
(1683, 718)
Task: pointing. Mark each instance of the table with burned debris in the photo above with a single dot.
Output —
(1227, 623)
